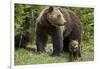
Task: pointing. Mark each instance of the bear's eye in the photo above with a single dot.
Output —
(58, 16)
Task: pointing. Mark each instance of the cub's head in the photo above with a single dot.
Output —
(55, 17)
(74, 45)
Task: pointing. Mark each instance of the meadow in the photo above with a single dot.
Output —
(29, 55)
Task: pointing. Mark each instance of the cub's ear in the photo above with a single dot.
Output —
(51, 9)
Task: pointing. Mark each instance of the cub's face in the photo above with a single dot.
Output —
(74, 45)
(55, 17)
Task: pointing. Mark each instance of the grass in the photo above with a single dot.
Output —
(30, 56)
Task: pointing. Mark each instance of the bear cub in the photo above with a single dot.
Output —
(74, 50)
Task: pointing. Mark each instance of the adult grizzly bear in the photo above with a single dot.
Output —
(61, 24)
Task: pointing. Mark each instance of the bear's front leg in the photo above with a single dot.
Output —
(57, 42)
(70, 56)
(41, 40)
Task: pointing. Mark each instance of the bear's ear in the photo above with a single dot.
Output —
(50, 9)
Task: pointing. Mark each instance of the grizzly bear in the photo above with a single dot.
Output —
(61, 24)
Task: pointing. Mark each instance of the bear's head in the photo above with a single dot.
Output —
(55, 17)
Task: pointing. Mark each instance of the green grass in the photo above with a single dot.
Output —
(30, 56)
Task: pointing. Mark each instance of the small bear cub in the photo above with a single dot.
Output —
(74, 49)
